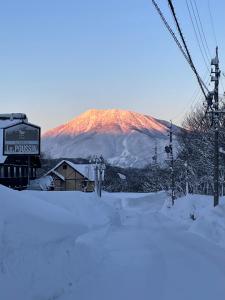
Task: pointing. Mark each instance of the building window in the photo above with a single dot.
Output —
(11, 172)
(23, 173)
(2, 172)
(5, 171)
(64, 167)
(18, 172)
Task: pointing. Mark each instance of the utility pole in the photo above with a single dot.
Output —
(215, 115)
(155, 156)
(172, 164)
(155, 167)
(101, 173)
(186, 178)
(169, 151)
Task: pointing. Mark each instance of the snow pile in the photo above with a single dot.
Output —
(145, 202)
(86, 208)
(72, 245)
(18, 209)
(43, 183)
(197, 214)
(40, 253)
(211, 225)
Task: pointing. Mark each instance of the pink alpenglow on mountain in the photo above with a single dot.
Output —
(124, 138)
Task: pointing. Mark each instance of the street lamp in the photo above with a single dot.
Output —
(99, 169)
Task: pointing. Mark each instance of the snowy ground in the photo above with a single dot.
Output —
(72, 246)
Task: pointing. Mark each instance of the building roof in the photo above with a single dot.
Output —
(7, 123)
(122, 176)
(58, 175)
(86, 170)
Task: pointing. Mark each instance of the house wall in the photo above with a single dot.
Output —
(73, 180)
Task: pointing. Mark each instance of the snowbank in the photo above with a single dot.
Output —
(211, 225)
(44, 183)
(146, 201)
(86, 208)
(40, 253)
(26, 219)
(72, 245)
(197, 214)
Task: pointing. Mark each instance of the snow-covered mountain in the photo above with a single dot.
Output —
(123, 137)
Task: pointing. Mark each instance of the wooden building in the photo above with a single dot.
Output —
(19, 150)
(68, 176)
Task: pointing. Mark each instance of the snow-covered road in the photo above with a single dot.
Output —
(150, 257)
(72, 246)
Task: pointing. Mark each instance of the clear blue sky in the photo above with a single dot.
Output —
(60, 58)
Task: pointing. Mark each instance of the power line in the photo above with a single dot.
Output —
(198, 35)
(184, 109)
(222, 86)
(198, 27)
(194, 98)
(203, 33)
(212, 22)
(201, 83)
(170, 30)
(186, 48)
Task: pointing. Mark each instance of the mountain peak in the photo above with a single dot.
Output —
(111, 121)
(124, 138)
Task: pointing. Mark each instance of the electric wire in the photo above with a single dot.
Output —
(195, 97)
(198, 28)
(201, 83)
(212, 22)
(170, 30)
(203, 33)
(221, 81)
(198, 36)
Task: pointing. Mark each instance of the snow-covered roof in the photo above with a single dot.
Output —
(7, 123)
(122, 176)
(44, 183)
(58, 175)
(86, 170)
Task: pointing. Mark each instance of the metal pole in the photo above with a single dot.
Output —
(172, 165)
(96, 178)
(222, 182)
(215, 62)
(186, 178)
(28, 171)
(100, 182)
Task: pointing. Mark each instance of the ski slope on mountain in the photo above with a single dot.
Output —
(124, 138)
(71, 245)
